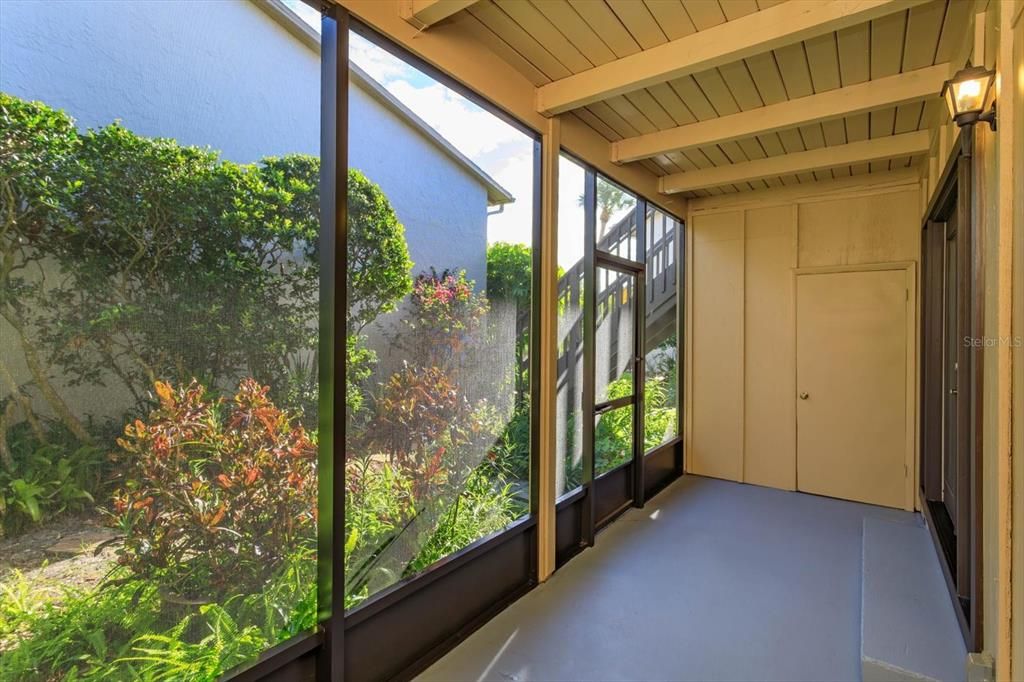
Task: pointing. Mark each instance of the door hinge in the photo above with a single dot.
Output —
(907, 291)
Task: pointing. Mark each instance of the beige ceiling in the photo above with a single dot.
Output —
(548, 40)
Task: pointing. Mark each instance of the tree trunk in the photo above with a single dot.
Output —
(24, 402)
(50, 395)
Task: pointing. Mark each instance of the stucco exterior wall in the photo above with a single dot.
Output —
(226, 75)
(213, 73)
(192, 71)
(443, 207)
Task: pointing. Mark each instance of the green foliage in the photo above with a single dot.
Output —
(481, 508)
(218, 492)
(359, 364)
(378, 258)
(381, 508)
(425, 426)
(609, 200)
(510, 456)
(46, 479)
(176, 264)
(445, 319)
(509, 272)
(613, 433)
(124, 631)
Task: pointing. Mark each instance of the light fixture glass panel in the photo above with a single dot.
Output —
(969, 94)
(965, 93)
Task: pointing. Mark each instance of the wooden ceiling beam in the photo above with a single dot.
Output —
(784, 24)
(913, 86)
(425, 13)
(895, 146)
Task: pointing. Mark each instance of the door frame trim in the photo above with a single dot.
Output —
(910, 386)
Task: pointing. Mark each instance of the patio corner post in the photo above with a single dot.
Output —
(333, 314)
(546, 483)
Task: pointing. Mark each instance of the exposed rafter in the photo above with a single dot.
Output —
(755, 33)
(896, 146)
(425, 13)
(853, 99)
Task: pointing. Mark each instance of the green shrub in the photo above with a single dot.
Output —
(218, 492)
(510, 456)
(44, 479)
(509, 272)
(117, 632)
(480, 509)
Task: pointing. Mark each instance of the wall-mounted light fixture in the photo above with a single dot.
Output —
(965, 95)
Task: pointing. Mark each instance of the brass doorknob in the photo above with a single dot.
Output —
(805, 396)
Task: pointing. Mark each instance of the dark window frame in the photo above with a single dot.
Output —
(321, 653)
(959, 546)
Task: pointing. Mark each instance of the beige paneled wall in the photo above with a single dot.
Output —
(769, 456)
(741, 347)
(868, 229)
(717, 441)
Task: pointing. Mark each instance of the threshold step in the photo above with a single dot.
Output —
(909, 630)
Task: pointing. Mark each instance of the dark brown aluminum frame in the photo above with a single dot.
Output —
(479, 581)
(960, 552)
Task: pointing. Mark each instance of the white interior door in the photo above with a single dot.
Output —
(852, 385)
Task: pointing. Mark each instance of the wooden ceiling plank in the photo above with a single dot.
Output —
(908, 118)
(741, 85)
(796, 75)
(734, 152)
(603, 21)
(698, 159)
(690, 92)
(884, 93)
(670, 102)
(882, 123)
(765, 73)
(645, 102)
(924, 24)
(717, 92)
(704, 14)
(814, 138)
(771, 144)
(671, 17)
(823, 60)
(522, 42)
(835, 132)
(716, 156)
(682, 161)
(887, 34)
(854, 54)
(639, 22)
(485, 36)
(858, 128)
(538, 26)
(734, 9)
(958, 14)
(631, 114)
(561, 14)
(752, 148)
(425, 13)
(666, 164)
(770, 29)
(802, 162)
(791, 140)
(765, 4)
(595, 122)
(612, 118)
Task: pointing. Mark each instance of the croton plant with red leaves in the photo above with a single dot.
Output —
(218, 491)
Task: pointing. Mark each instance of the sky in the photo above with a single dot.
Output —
(501, 150)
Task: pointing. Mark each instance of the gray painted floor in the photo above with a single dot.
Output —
(711, 581)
